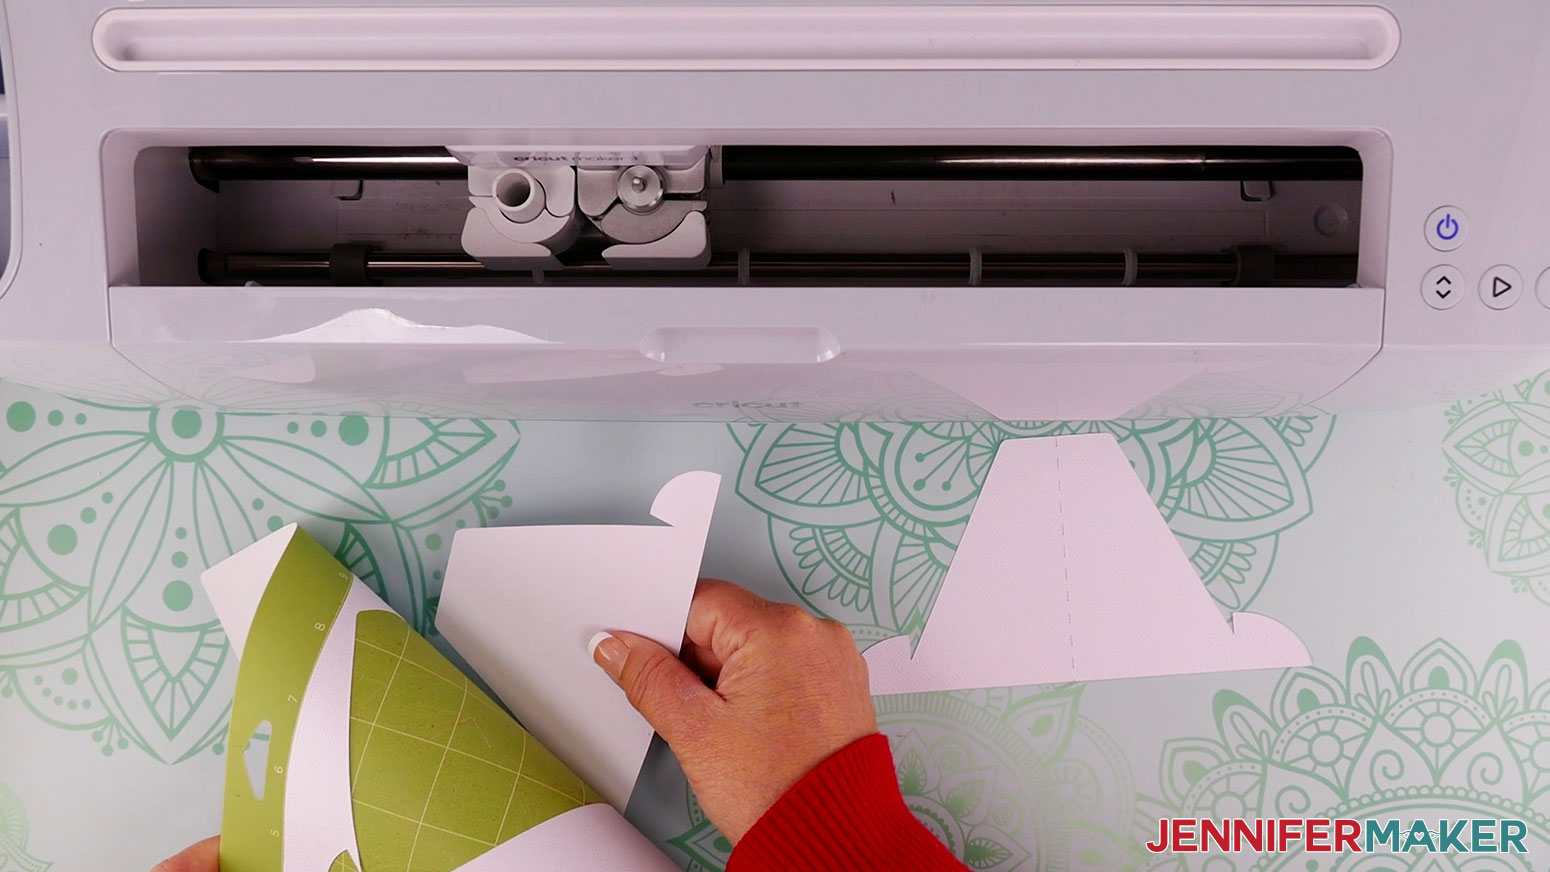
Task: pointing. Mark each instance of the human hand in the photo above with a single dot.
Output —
(199, 857)
(763, 693)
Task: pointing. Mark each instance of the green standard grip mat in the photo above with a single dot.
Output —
(439, 772)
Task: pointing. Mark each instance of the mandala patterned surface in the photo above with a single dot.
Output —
(864, 518)
(108, 652)
(1498, 453)
(1007, 779)
(108, 515)
(13, 836)
(1434, 737)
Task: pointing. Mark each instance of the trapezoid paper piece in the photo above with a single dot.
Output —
(1067, 572)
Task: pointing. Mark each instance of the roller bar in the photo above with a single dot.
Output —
(1246, 266)
(213, 164)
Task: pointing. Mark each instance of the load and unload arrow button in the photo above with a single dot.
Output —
(1438, 285)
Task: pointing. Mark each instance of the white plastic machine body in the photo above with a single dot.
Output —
(108, 291)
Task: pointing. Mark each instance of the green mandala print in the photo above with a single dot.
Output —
(1007, 779)
(864, 518)
(13, 836)
(1498, 453)
(109, 513)
(1436, 738)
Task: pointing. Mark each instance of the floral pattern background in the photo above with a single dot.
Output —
(1498, 451)
(108, 515)
(1435, 736)
(109, 653)
(13, 836)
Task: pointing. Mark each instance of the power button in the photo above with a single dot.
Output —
(1446, 228)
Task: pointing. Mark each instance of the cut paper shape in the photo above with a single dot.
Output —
(591, 837)
(255, 757)
(521, 604)
(237, 584)
(1067, 572)
(382, 755)
(380, 326)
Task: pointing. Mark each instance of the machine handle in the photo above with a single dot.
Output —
(745, 345)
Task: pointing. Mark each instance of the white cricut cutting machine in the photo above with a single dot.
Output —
(674, 211)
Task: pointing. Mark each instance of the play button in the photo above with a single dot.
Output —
(1500, 286)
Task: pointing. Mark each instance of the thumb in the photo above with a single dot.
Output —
(200, 857)
(667, 694)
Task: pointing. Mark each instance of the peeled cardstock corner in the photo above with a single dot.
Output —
(522, 605)
(236, 585)
(1067, 572)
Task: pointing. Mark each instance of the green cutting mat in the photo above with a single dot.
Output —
(439, 773)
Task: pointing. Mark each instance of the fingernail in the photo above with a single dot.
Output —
(609, 653)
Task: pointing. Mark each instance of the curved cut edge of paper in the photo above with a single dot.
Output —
(1067, 572)
(1266, 643)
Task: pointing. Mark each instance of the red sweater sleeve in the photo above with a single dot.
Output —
(847, 814)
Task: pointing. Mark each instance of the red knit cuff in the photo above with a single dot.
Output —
(846, 814)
